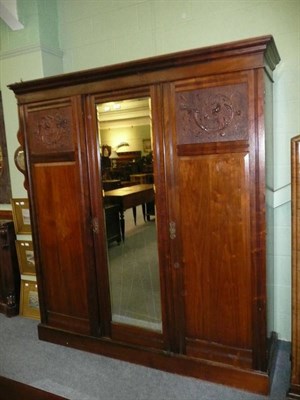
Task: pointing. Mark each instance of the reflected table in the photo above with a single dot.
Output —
(130, 197)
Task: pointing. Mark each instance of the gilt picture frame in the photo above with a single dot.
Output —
(21, 216)
(25, 257)
(29, 300)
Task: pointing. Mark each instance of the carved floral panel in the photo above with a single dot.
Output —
(50, 130)
(212, 114)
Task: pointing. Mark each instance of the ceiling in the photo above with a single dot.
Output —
(124, 113)
(9, 14)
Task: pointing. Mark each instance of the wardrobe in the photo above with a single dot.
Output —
(211, 109)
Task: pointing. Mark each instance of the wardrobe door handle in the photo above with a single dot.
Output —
(95, 225)
(172, 230)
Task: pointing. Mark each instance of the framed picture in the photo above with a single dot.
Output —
(29, 300)
(21, 216)
(25, 257)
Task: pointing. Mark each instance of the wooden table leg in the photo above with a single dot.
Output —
(134, 214)
(122, 223)
(144, 211)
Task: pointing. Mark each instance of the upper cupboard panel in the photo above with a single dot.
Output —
(212, 109)
(50, 127)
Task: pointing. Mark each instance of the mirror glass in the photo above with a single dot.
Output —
(125, 145)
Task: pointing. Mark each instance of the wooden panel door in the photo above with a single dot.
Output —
(59, 195)
(214, 203)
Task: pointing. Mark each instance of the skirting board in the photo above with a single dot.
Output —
(249, 380)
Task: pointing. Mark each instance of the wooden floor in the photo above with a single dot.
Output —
(12, 390)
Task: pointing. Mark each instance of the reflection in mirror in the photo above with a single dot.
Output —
(125, 140)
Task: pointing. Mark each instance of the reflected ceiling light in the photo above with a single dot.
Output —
(114, 153)
(122, 144)
(111, 107)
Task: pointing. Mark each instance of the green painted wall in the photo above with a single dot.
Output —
(29, 53)
(24, 38)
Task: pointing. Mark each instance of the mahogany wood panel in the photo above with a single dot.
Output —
(294, 391)
(13, 390)
(162, 218)
(53, 134)
(6, 214)
(62, 252)
(215, 227)
(136, 336)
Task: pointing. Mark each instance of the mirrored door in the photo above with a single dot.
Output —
(126, 153)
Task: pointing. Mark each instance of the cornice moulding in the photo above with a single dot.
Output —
(30, 49)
